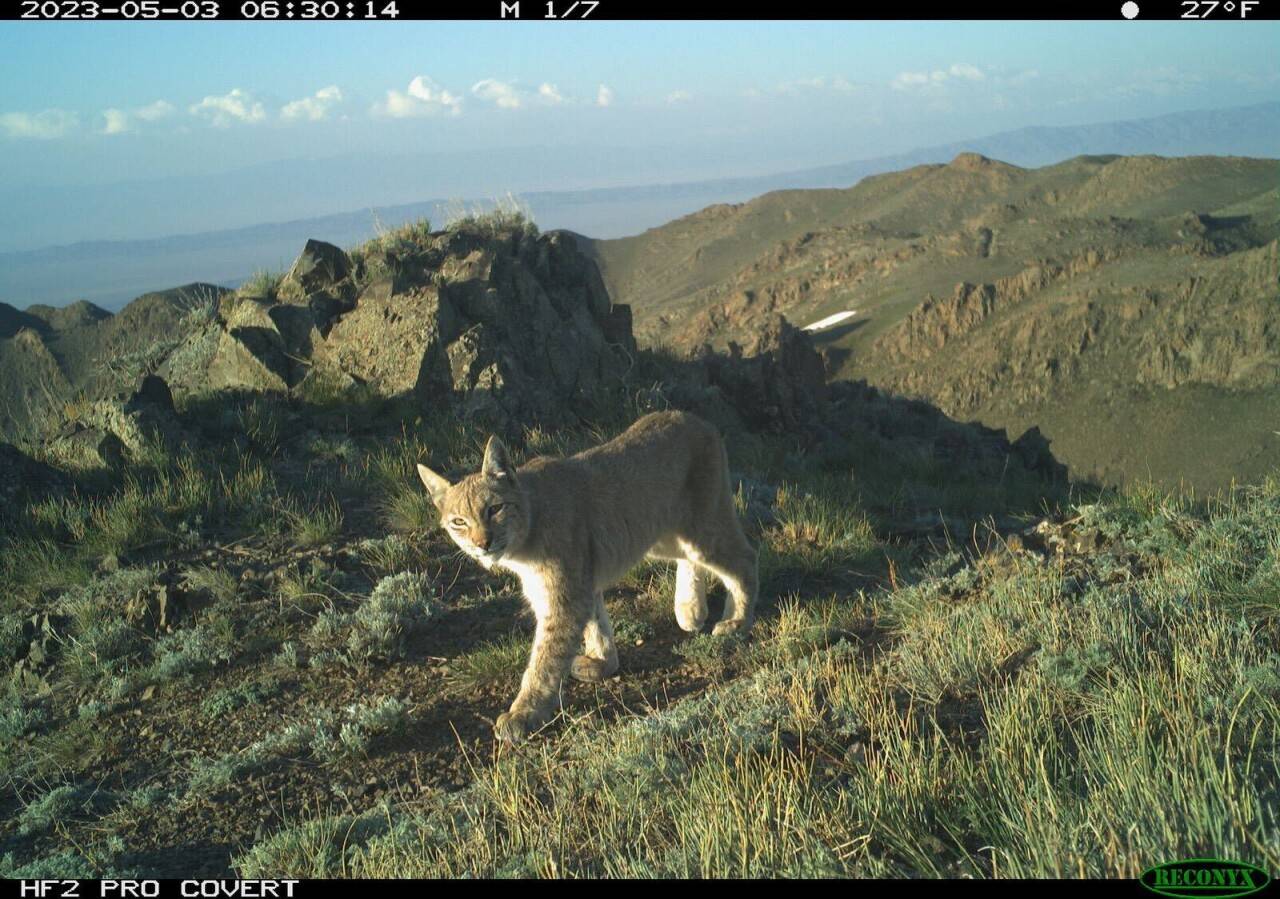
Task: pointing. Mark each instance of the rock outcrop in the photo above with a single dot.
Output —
(108, 432)
(504, 325)
(777, 382)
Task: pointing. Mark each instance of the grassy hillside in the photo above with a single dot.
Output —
(262, 656)
(1030, 711)
(1104, 288)
(239, 644)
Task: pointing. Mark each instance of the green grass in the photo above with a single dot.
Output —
(407, 508)
(18, 715)
(258, 420)
(315, 524)
(45, 812)
(1010, 715)
(501, 217)
(218, 583)
(390, 472)
(902, 708)
(307, 586)
(263, 283)
(386, 555)
(325, 736)
(101, 639)
(489, 664)
(191, 650)
(378, 257)
(168, 504)
(409, 236)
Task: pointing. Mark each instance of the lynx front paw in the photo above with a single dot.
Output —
(592, 670)
(514, 727)
(523, 720)
(691, 616)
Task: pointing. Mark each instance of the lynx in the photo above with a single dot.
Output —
(570, 527)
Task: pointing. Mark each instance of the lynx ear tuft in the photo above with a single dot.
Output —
(497, 462)
(435, 484)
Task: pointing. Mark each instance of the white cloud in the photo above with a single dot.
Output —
(46, 125)
(966, 71)
(959, 71)
(155, 111)
(122, 121)
(679, 97)
(549, 93)
(423, 98)
(604, 96)
(237, 106)
(314, 108)
(117, 121)
(837, 84)
(800, 83)
(498, 92)
(904, 80)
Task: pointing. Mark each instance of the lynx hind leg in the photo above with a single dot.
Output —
(600, 656)
(734, 561)
(742, 583)
(691, 596)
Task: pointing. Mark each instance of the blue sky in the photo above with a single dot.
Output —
(98, 103)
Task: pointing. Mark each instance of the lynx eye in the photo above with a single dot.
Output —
(496, 508)
(458, 522)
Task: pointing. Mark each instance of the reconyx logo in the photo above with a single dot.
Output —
(1197, 877)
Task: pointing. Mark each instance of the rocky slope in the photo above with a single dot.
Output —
(511, 327)
(52, 359)
(1103, 289)
(501, 327)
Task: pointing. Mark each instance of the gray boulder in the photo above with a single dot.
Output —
(77, 445)
(511, 328)
(108, 431)
(319, 266)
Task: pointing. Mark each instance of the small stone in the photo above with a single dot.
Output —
(856, 754)
(36, 654)
(149, 692)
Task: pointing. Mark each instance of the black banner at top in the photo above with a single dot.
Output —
(1189, 11)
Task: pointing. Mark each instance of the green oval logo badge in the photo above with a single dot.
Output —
(1197, 877)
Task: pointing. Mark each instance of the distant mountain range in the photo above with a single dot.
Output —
(110, 273)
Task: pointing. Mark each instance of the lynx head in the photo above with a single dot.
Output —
(487, 513)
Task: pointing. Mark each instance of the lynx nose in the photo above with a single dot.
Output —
(483, 542)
